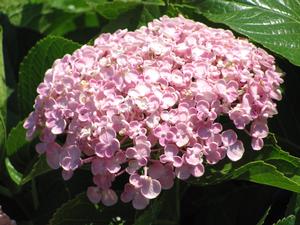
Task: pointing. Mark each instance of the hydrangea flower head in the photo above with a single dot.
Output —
(148, 104)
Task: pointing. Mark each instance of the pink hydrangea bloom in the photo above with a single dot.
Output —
(148, 103)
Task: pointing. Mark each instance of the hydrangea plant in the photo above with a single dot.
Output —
(149, 103)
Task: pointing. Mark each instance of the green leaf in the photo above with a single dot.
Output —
(264, 173)
(67, 5)
(293, 207)
(39, 168)
(16, 139)
(149, 13)
(69, 18)
(2, 132)
(187, 11)
(290, 220)
(272, 166)
(274, 24)
(46, 17)
(127, 20)
(2, 138)
(262, 220)
(32, 70)
(12, 172)
(80, 211)
(112, 9)
(151, 213)
(3, 88)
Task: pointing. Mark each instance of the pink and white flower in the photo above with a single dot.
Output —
(150, 104)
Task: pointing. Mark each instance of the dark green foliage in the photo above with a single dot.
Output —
(32, 70)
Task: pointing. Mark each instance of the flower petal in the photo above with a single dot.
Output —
(151, 187)
(229, 137)
(94, 194)
(236, 151)
(109, 197)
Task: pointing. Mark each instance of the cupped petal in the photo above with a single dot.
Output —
(140, 202)
(107, 135)
(112, 148)
(257, 143)
(94, 194)
(198, 170)
(98, 166)
(171, 150)
(183, 172)
(182, 141)
(41, 147)
(131, 152)
(204, 132)
(236, 151)
(109, 197)
(112, 166)
(59, 127)
(229, 137)
(151, 187)
(52, 155)
(259, 129)
(129, 193)
(135, 180)
(156, 170)
(177, 161)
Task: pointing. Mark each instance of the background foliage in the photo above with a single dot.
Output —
(260, 189)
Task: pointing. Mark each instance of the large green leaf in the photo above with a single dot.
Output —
(271, 166)
(80, 211)
(273, 23)
(290, 220)
(16, 139)
(39, 16)
(3, 88)
(112, 9)
(128, 20)
(39, 59)
(40, 167)
(14, 175)
(2, 137)
(148, 14)
(264, 173)
(67, 5)
(56, 17)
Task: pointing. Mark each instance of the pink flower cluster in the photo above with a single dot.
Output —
(149, 103)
